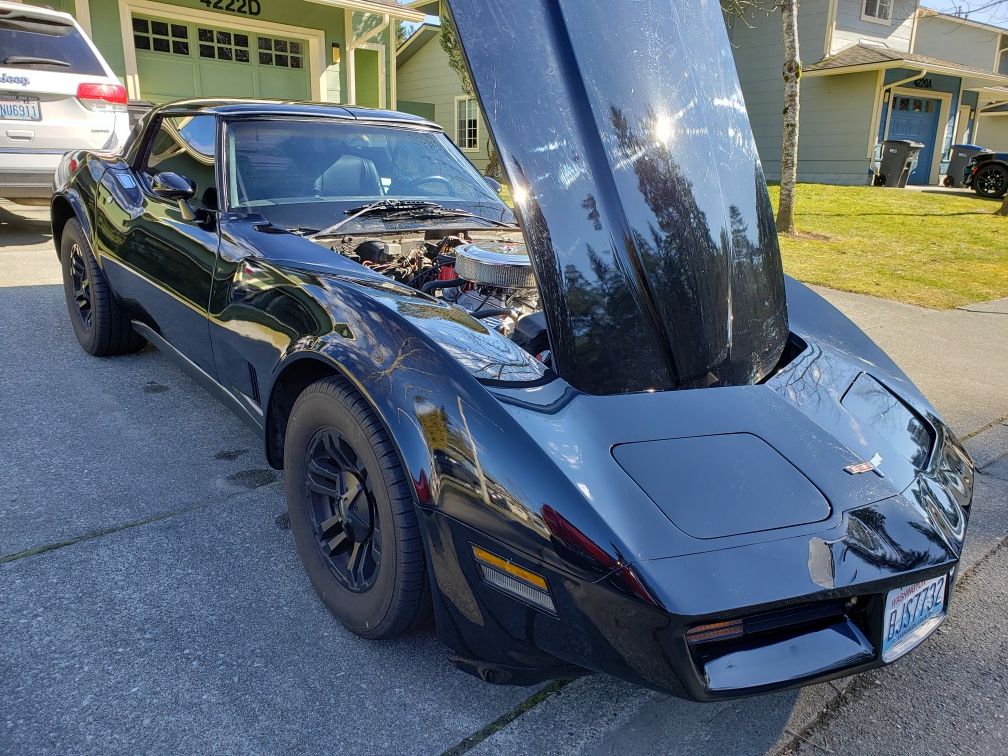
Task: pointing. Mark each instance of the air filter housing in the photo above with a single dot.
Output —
(503, 266)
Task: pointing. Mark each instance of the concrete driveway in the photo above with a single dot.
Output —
(152, 599)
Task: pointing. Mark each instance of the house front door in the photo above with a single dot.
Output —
(916, 119)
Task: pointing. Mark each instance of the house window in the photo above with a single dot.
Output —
(879, 11)
(466, 123)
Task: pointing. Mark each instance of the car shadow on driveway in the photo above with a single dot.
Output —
(24, 226)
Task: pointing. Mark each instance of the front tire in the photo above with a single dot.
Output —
(351, 513)
(98, 321)
(991, 181)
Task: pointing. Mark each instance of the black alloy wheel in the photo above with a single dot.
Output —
(352, 512)
(991, 181)
(81, 281)
(344, 517)
(100, 324)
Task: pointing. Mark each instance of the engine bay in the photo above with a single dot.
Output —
(486, 273)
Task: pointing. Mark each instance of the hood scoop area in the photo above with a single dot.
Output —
(723, 485)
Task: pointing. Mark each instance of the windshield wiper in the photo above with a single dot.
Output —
(31, 60)
(381, 206)
(393, 209)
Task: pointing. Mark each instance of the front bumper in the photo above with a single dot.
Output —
(816, 601)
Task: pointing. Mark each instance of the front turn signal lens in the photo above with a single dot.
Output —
(715, 631)
(508, 577)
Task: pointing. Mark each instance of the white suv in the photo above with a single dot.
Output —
(57, 94)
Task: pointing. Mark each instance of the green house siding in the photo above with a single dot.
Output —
(427, 79)
(106, 32)
(422, 109)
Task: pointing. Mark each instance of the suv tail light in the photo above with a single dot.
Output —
(106, 98)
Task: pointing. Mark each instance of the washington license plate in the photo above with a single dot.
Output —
(18, 108)
(911, 614)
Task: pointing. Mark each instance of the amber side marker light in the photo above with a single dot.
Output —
(514, 580)
(715, 631)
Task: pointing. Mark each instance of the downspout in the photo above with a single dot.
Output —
(920, 75)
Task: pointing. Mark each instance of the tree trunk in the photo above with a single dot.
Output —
(789, 148)
(1004, 206)
(493, 169)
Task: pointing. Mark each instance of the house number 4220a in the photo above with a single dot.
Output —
(245, 7)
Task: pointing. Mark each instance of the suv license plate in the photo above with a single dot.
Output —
(911, 615)
(18, 108)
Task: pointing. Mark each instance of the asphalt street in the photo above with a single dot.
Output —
(151, 598)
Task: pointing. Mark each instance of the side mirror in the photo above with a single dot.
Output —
(175, 188)
(493, 183)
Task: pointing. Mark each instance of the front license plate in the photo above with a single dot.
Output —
(18, 108)
(911, 614)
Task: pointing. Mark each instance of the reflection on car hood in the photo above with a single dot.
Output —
(647, 215)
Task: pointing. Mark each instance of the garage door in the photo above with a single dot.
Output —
(181, 59)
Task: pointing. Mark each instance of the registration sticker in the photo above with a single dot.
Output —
(911, 614)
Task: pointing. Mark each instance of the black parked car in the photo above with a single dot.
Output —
(987, 174)
(606, 434)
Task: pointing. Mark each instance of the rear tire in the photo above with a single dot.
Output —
(352, 513)
(98, 321)
(991, 181)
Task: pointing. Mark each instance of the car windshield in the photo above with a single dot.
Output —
(312, 173)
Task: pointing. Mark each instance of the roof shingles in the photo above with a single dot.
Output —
(869, 55)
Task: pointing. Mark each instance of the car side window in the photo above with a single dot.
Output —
(186, 145)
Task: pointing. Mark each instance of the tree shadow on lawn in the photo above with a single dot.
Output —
(893, 215)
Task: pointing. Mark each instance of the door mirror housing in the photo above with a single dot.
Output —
(175, 188)
(172, 186)
(493, 183)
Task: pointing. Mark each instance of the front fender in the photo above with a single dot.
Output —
(465, 453)
(816, 320)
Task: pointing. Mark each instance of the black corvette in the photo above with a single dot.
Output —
(607, 434)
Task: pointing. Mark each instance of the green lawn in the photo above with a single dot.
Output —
(925, 248)
(929, 249)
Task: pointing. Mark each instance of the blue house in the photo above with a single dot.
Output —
(874, 70)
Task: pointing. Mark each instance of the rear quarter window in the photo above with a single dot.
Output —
(43, 44)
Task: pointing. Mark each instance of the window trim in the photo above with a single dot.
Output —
(876, 19)
(465, 98)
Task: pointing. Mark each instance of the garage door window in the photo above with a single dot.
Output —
(283, 53)
(223, 45)
(160, 36)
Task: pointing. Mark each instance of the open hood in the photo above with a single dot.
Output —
(646, 214)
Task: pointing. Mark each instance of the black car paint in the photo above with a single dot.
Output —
(647, 212)
(485, 456)
(982, 159)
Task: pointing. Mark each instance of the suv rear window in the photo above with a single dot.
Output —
(45, 44)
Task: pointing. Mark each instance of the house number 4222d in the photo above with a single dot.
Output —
(245, 7)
